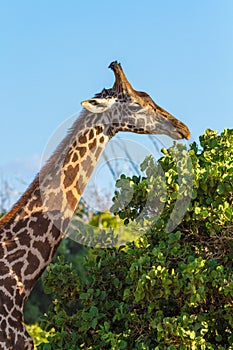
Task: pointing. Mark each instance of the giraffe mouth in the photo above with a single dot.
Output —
(176, 134)
(180, 133)
(184, 136)
(171, 125)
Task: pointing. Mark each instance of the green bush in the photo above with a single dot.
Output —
(37, 334)
(173, 287)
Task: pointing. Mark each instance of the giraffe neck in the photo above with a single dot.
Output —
(45, 210)
(31, 232)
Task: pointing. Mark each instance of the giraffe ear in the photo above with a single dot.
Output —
(98, 105)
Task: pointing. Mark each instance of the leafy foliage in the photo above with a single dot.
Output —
(37, 334)
(173, 287)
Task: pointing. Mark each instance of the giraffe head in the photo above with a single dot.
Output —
(134, 111)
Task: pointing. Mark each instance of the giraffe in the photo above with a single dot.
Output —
(32, 230)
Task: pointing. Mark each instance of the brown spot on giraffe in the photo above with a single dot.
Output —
(34, 263)
(24, 239)
(17, 267)
(91, 134)
(16, 255)
(83, 138)
(11, 245)
(75, 157)
(102, 139)
(71, 199)
(81, 151)
(70, 175)
(39, 224)
(42, 248)
(3, 268)
(99, 130)
(92, 144)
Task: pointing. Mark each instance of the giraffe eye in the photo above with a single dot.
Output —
(94, 102)
(135, 107)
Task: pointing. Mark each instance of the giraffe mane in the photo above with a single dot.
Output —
(19, 204)
(45, 169)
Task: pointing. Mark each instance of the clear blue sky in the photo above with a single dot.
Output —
(55, 53)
